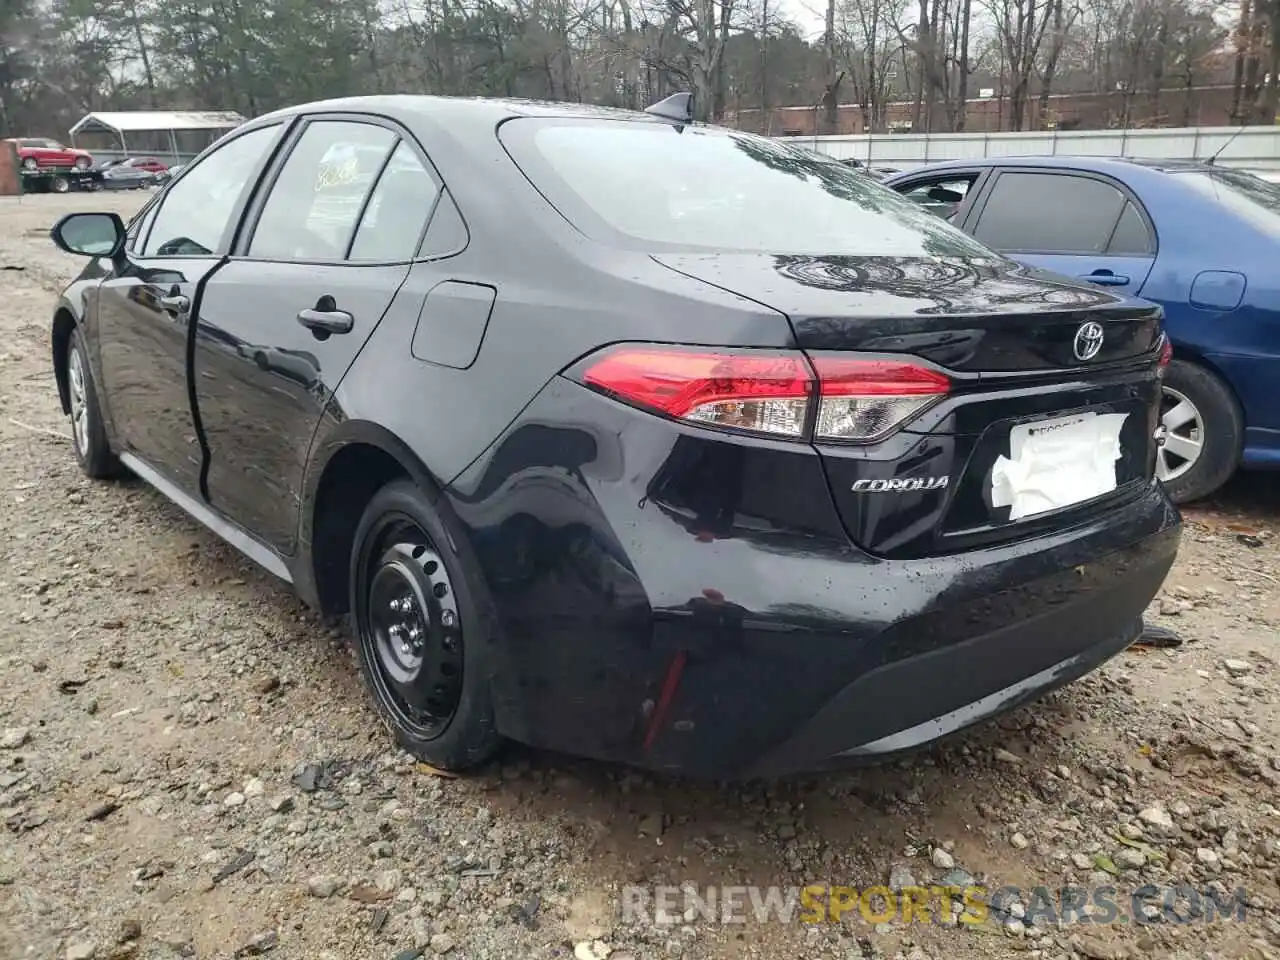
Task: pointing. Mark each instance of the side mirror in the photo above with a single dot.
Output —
(89, 234)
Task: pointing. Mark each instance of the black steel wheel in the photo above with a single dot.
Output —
(422, 641)
(412, 628)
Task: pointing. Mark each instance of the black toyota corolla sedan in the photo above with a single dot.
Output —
(623, 436)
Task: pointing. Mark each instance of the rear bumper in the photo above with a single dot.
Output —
(659, 610)
(901, 706)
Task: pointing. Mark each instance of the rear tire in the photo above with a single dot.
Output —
(88, 436)
(1205, 432)
(424, 637)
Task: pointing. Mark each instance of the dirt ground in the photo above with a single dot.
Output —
(188, 765)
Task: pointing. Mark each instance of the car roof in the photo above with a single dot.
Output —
(445, 109)
(1115, 165)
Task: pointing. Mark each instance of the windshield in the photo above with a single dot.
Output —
(1242, 193)
(655, 187)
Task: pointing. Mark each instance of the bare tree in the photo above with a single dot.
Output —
(1020, 26)
(868, 40)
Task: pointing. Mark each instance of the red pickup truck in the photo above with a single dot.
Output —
(37, 153)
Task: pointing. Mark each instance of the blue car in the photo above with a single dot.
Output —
(1202, 241)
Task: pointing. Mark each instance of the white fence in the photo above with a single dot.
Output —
(1253, 147)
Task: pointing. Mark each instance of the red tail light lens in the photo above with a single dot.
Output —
(858, 400)
(1166, 352)
(864, 400)
(763, 392)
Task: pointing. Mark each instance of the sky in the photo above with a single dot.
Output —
(810, 17)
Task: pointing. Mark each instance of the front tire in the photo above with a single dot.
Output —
(424, 639)
(88, 437)
(1205, 433)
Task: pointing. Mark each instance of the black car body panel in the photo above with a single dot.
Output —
(967, 315)
(669, 594)
(613, 567)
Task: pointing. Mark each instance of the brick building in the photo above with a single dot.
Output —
(1207, 106)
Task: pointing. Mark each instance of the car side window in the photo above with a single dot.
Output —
(398, 210)
(1131, 236)
(317, 200)
(1049, 213)
(139, 225)
(195, 212)
(942, 197)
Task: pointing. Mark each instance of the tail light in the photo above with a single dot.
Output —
(1166, 351)
(864, 400)
(775, 393)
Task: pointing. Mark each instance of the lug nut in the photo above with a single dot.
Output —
(447, 618)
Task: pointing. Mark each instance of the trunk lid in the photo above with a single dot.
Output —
(968, 315)
(1030, 378)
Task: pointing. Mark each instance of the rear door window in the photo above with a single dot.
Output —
(655, 187)
(398, 210)
(1049, 212)
(1131, 236)
(320, 194)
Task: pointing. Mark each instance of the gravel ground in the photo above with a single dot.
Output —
(188, 766)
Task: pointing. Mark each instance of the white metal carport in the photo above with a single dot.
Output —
(179, 135)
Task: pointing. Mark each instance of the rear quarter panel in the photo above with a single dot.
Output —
(1242, 345)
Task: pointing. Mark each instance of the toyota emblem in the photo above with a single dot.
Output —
(1088, 340)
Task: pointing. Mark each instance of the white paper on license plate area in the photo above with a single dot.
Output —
(1055, 463)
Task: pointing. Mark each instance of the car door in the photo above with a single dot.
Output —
(1079, 224)
(142, 322)
(946, 194)
(323, 254)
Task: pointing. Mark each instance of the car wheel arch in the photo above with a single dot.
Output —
(64, 323)
(1195, 356)
(353, 462)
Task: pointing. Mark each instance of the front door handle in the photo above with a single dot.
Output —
(325, 318)
(1105, 278)
(175, 303)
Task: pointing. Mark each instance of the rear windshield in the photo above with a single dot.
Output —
(654, 186)
(1253, 198)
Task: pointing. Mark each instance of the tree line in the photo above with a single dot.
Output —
(64, 58)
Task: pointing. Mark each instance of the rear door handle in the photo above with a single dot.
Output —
(327, 321)
(1105, 278)
(175, 303)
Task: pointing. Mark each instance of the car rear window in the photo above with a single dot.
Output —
(655, 186)
(1253, 198)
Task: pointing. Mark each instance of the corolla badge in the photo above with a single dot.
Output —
(900, 485)
(1088, 340)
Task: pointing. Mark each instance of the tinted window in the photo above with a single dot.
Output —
(652, 186)
(1131, 236)
(196, 211)
(316, 201)
(1050, 212)
(398, 210)
(1254, 199)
